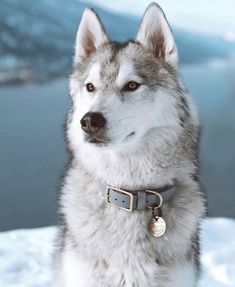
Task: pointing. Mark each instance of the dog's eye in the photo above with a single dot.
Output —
(131, 86)
(90, 87)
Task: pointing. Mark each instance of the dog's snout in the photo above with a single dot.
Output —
(92, 122)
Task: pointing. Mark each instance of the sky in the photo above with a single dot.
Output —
(202, 16)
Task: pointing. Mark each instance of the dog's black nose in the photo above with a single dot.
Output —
(92, 122)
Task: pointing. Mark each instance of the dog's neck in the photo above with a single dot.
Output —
(149, 166)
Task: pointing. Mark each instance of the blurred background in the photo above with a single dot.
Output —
(36, 48)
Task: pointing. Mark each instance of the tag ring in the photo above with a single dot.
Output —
(160, 198)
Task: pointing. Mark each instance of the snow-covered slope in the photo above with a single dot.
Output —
(25, 255)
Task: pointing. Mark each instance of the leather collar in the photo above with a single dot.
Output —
(139, 199)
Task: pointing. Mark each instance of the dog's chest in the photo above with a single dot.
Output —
(110, 231)
(117, 247)
(113, 245)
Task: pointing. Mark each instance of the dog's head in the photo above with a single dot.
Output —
(122, 92)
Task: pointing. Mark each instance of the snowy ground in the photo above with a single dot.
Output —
(25, 255)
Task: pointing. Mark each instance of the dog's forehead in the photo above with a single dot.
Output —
(114, 64)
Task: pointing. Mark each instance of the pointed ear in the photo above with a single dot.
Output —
(155, 35)
(90, 35)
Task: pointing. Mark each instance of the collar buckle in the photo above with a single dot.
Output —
(131, 196)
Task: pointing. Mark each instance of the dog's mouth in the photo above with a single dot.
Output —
(129, 136)
(97, 140)
(103, 141)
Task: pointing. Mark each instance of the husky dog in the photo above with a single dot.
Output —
(133, 127)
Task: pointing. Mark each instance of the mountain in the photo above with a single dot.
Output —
(37, 38)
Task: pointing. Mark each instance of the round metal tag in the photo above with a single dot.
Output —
(157, 226)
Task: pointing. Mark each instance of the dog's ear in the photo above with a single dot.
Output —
(90, 35)
(155, 35)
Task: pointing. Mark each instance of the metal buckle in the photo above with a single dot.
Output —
(121, 191)
(160, 197)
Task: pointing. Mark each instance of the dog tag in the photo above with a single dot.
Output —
(157, 226)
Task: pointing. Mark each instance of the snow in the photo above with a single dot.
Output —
(26, 255)
(218, 253)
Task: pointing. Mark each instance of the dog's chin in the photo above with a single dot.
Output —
(96, 141)
(104, 142)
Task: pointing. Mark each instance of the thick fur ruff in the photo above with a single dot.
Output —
(150, 140)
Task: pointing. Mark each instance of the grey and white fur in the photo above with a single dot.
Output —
(150, 139)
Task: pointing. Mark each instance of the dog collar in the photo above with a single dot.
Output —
(138, 200)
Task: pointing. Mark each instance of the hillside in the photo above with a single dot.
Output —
(37, 38)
